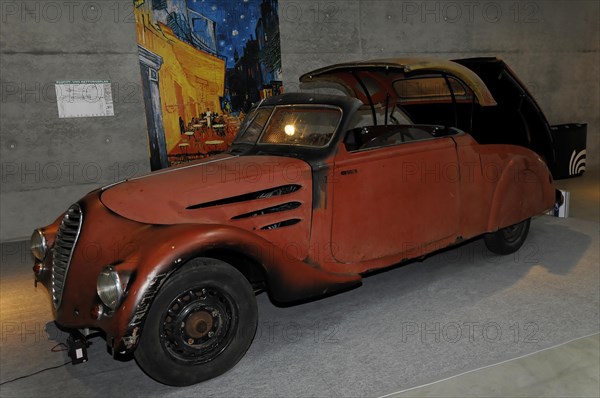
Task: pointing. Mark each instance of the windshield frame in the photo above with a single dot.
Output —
(247, 123)
(275, 108)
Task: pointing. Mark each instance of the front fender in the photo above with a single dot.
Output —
(164, 249)
(145, 255)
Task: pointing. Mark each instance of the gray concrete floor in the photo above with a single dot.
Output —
(571, 369)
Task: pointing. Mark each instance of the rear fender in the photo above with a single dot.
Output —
(524, 189)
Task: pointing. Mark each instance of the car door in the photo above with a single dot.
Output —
(394, 195)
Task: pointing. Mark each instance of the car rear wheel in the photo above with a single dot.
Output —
(200, 325)
(507, 240)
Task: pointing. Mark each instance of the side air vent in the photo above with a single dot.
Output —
(282, 224)
(269, 210)
(267, 193)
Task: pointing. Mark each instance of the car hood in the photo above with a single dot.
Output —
(215, 189)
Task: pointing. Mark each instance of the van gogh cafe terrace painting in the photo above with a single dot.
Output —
(207, 134)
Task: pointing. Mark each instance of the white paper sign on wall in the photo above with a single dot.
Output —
(84, 98)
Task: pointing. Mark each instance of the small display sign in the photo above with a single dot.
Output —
(561, 209)
(84, 98)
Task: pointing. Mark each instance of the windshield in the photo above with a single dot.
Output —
(311, 126)
(251, 128)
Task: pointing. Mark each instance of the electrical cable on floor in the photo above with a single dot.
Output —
(57, 348)
(35, 373)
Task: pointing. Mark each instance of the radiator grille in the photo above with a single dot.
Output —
(66, 239)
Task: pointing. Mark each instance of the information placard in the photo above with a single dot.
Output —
(84, 98)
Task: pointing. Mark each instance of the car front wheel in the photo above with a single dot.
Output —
(200, 325)
(507, 240)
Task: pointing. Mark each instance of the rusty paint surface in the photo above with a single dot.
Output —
(314, 226)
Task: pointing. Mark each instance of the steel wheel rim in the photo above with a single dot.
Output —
(512, 233)
(199, 324)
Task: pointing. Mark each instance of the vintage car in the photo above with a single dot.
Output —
(315, 192)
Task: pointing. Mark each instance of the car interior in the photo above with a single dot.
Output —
(434, 105)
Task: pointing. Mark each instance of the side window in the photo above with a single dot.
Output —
(395, 115)
(399, 116)
(369, 137)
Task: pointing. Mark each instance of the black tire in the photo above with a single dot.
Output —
(201, 323)
(507, 240)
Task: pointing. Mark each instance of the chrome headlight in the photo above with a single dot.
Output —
(109, 287)
(39, 245)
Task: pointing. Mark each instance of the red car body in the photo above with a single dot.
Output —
(300, 220)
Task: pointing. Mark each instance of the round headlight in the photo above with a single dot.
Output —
(109, 288)
(39, 245)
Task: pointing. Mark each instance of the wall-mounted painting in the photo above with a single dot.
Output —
(204, 64)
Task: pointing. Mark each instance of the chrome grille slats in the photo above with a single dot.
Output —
(68, 238)
(64, 245)
(61, 250)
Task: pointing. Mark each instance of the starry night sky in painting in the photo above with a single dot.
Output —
(235, 22)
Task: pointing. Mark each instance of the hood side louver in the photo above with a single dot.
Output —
(267, 193)
(281, 224)
(270, 210)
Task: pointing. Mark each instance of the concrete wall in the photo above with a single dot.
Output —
(553, 46)
(47, 162)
